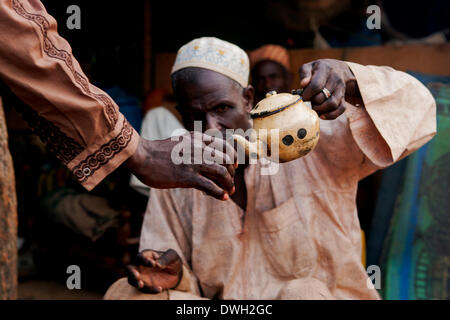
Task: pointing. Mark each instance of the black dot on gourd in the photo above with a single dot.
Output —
(288, 140)
(301, 133)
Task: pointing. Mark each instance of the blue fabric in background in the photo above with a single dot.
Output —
(391, 184)
(428, 78)
(405, 239)
(129, 105)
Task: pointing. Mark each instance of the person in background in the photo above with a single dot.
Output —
(270, 70)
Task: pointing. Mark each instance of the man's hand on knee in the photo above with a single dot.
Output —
(155, 271)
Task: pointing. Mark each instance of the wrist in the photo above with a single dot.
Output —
(351, 84)
(134, 162)
(180, 276)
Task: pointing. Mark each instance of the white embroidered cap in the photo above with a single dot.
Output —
(216, 55)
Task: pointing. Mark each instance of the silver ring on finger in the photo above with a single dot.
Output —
(326, 93)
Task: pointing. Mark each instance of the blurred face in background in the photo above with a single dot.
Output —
(269, 75)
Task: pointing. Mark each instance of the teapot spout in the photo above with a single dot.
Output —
(251, 149)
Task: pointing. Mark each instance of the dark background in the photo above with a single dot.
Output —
(112, 32)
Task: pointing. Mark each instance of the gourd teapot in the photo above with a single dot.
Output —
(296, 124)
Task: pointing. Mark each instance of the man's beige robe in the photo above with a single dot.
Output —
(300, 237)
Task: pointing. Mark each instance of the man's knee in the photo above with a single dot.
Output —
(122, 290)
(305, 289)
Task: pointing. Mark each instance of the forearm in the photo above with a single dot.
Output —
(186, 281)
(352, 92)
(186, 288)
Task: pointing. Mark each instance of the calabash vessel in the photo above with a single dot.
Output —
(287, 118)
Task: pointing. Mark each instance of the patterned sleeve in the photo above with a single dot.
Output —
(81, 124)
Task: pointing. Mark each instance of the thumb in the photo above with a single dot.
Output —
(305, 73)
(167, 258)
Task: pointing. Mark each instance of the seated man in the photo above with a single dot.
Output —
(294, 234)
(270, 67)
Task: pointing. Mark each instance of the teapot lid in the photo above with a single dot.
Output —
(274, 103)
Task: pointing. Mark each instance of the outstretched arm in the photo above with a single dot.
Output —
(82, 124)
(379, 115)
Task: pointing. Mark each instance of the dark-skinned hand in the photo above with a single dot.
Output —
(152, 164)
(155, 271)
(334, 75)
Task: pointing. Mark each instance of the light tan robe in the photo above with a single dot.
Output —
(300, 235)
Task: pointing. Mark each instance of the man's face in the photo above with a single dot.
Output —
(215, 100)
(267, 76)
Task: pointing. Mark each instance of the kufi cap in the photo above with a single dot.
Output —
(216, 55)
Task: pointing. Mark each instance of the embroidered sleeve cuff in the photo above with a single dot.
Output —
(97, 161)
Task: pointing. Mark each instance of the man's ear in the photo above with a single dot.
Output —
(249, 97)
